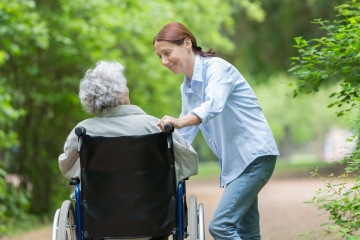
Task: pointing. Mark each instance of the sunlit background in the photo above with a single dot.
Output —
(47, 46)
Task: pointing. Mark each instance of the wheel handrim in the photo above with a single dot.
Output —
(67, 224)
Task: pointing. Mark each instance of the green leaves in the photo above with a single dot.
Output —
(331, 58)
(335, 58)
(335, 54)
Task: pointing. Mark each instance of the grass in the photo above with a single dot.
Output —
(299, 168)
(209, 169)
(288, 166)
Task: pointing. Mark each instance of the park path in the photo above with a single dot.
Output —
(283, 213)
(284, 216)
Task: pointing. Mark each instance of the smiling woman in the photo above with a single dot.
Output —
(216, 99)
(176, 57)
(176, 46)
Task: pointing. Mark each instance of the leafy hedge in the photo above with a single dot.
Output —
(13, 202)
(335, 58)
(14, 205)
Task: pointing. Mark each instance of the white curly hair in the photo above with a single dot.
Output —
(102, 86)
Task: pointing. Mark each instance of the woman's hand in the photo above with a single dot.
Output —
(168, 119)
(181, 122)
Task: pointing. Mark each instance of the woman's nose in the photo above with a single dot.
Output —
(164, 61)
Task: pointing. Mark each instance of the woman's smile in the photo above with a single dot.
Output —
(171, 66)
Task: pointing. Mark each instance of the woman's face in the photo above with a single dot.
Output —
(177, 59)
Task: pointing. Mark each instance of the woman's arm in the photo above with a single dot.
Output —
(219, 84)
(184, 121)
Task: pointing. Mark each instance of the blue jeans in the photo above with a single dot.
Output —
(237, 215)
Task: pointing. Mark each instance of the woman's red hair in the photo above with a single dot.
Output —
(176, 33)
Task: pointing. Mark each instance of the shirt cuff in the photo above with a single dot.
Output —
(201, 114)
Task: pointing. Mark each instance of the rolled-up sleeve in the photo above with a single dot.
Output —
(219, 86)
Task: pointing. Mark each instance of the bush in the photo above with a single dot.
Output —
(335, 58)
(13, 206)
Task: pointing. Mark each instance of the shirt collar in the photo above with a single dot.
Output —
(197, 73)
(120, 110)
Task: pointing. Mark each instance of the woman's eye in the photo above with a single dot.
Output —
(167, 53)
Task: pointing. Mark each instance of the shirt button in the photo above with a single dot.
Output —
(209, 140)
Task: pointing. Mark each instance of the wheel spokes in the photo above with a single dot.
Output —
(70, 230)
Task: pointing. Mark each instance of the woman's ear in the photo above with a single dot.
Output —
(188, 43)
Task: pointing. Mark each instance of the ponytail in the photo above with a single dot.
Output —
(198, 51)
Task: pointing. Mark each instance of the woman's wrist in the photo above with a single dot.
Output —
(185, 121)
(189, 120)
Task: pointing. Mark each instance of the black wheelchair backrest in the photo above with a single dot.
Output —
(128, 186)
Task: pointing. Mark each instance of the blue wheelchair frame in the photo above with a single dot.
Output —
(179, 234)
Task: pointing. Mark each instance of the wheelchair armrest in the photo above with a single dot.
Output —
(74, 181)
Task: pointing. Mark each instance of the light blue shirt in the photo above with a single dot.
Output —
(233, 123)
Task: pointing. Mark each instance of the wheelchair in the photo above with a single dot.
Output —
(128, 190)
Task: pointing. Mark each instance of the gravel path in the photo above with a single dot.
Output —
(283, 213)
(281, 203)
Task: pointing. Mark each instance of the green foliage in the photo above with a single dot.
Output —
(263, 46)
(335, 57)
(8, 137)
(14, 205)
(339, 200)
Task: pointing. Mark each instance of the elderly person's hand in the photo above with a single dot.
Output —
(181, 122)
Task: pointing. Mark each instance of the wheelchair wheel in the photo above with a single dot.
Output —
(201, 234)
(67, 224)
(196, 227)
(55, 224)
(193, 219)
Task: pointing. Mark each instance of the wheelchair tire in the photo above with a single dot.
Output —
(201, 222)
(55, 224)
(193, 219)
(67, 225)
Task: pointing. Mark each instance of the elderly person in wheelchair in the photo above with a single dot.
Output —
(103, 90)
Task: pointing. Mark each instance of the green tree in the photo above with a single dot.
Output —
(13, 204)
(262, 47)
(335, 58)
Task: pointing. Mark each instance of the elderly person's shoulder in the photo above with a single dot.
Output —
(119, 121)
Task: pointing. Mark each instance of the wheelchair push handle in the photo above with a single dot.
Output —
(80, 131)
(168, 128)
